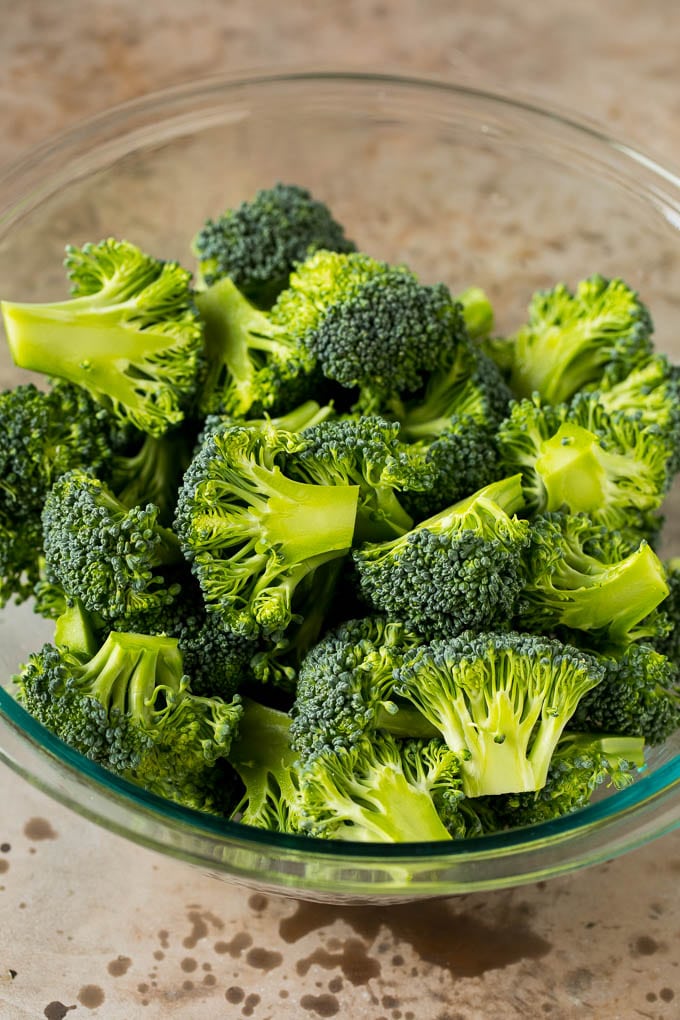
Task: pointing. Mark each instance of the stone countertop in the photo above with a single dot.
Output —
(97, 927)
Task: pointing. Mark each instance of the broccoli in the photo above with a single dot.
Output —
(639, 696)
(108, 555)
(459, 569)
(379, 791)
(151, 470)
(581, 576)
(253, 534)
(42, 436)
(344, 688)
(500, 700)
(469, 386)
(374, 328)
(129, 707)
(256, 361)
(477, 313)
(616, 471)
(267, 765)
(258, 243)
(650, 396)
(364, 451)
(217, 659)
(130, 335)
(574, 340)
(582, 762)
(669, 644)
(461, 460)
(278, 660)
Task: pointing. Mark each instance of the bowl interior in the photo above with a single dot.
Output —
(465, 188)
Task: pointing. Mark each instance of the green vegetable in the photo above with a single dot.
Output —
(130, 335)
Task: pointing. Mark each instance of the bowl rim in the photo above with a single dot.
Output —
(24, 184)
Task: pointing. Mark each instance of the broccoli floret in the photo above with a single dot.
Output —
(256, 361)
(374, 792)
(611, 469)
(267, 765)
(129, 707)
(252, 533)
(364, 451)
(108, 555)
(582, 763)
(459, 569)
(374, 328)
(344, 689)
(500, 700)
(42, 436)
(669, 644)
(581, 576)
(130, 335)
(650, 396)
(639, 696)
(278, 661)
(468, 387)
(462, 459)
(217, 659)
(573, 340)
(258, 243)
(151, 471)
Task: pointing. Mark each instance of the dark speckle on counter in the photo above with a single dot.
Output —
(39, 829)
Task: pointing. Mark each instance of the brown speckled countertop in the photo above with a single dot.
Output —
(95, 927)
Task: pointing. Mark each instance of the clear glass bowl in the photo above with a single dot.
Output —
(466, 188)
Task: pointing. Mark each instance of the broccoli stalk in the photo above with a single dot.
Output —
(263, 757)
(130, 335)
(254, 362)
(373, 793)
(500, 701)
(581, 576)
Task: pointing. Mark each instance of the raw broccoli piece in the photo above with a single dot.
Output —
(501, 702)
(112, 557)
(42, 436)
(462, 459)
(582, 763)
(375, 792)
(669, 644)
(268, 767)
(576, 339)
(477, 312)
(364, 451)
(611, 469)
(130, 335)
(258, 243)
(650, 396)
(278, 660)
(344, 689)
(582, 576)
(129, 707)
(468, 387)
(217, 659)
(256, 361)
(459, 569)
(374, 328)
(639, 696)
(151, 469)
(253, 534)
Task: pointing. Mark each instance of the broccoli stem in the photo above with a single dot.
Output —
(389, 810)
(615, 597)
